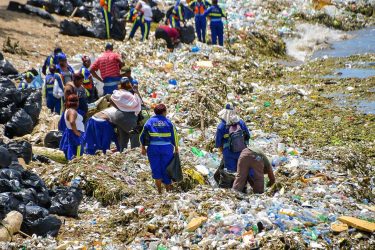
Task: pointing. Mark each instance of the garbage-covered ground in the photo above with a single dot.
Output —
(307, 119)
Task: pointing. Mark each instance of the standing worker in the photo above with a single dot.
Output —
(54, 99)
(177, 15)
(215, 13)
(159, 135)
(229, 130)
(143, 19)
(72, 140)
(51, 59)
(88, 83)
(109, 65)
(107, 15)
(199, 7)
(64, 69)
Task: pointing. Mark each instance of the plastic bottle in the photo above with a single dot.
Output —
(75, 182)
(195, 49)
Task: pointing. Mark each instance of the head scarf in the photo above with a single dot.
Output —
(228, 115)
(126, 101)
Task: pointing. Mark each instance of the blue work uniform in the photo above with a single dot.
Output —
(23, 85)
(107, 16)
(200, 20)
(177, 16)
(53, 103)
(163, 137)
(99, 135)
(222, 140)
(71, 144)
(64, 75)
(139, 22)
(216, 24)
(51, 59)
(88, 84)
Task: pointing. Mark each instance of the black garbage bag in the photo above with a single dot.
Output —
(52, 139)
(26, 196)
(5, 82)
(16, 166)
(28, 9)
(66, 8)
(157, 15)
(223, 178)
(118, 31)
(8, 202)
(5, 114)
(83, 12)
(5, 157)
(97, 30)
(32, 180)
(22, 149)
(174, 169)
(33, 105)
(10, 174)
(187, 34)
(20, 124)
(36, 220)
(65, 201)
(24, 94)
(13, 95)
(9, 185)
(6, 68)
(71, 28)
(43, 198)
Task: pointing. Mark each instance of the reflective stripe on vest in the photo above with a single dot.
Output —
(160, 134)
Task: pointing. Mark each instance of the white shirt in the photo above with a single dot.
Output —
(79, 122)
(147, 11)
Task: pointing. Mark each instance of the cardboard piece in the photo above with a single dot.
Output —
(358, 223)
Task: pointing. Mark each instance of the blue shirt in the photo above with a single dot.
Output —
(222, 133)
(215, 13)
(161, 131)
(198, 6)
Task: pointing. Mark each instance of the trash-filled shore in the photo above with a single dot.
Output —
(321, 148)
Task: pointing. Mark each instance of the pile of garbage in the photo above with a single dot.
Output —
(24, 191)
(19, 109)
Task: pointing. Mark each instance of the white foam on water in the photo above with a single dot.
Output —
(310, 38)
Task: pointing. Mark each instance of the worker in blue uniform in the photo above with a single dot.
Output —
(72, 140)
(88, 83)
(100, 132)
(160, 137)
(26, 82)
(54, 102)
(199, 7)
(228, 118)
(106, 9)
(215, 13)
(64, 69)
(177, 15)
(51, 59)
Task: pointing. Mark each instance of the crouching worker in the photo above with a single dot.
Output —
(100, 132)
(72, 140)
(170, 35)
(252, 165)
(160, 137)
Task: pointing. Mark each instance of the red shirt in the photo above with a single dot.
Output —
(172, 32)
(108, 64)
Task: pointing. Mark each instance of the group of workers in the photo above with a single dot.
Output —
(68, 93)
(141, 17)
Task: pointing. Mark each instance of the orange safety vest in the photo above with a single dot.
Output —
(199, 9)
